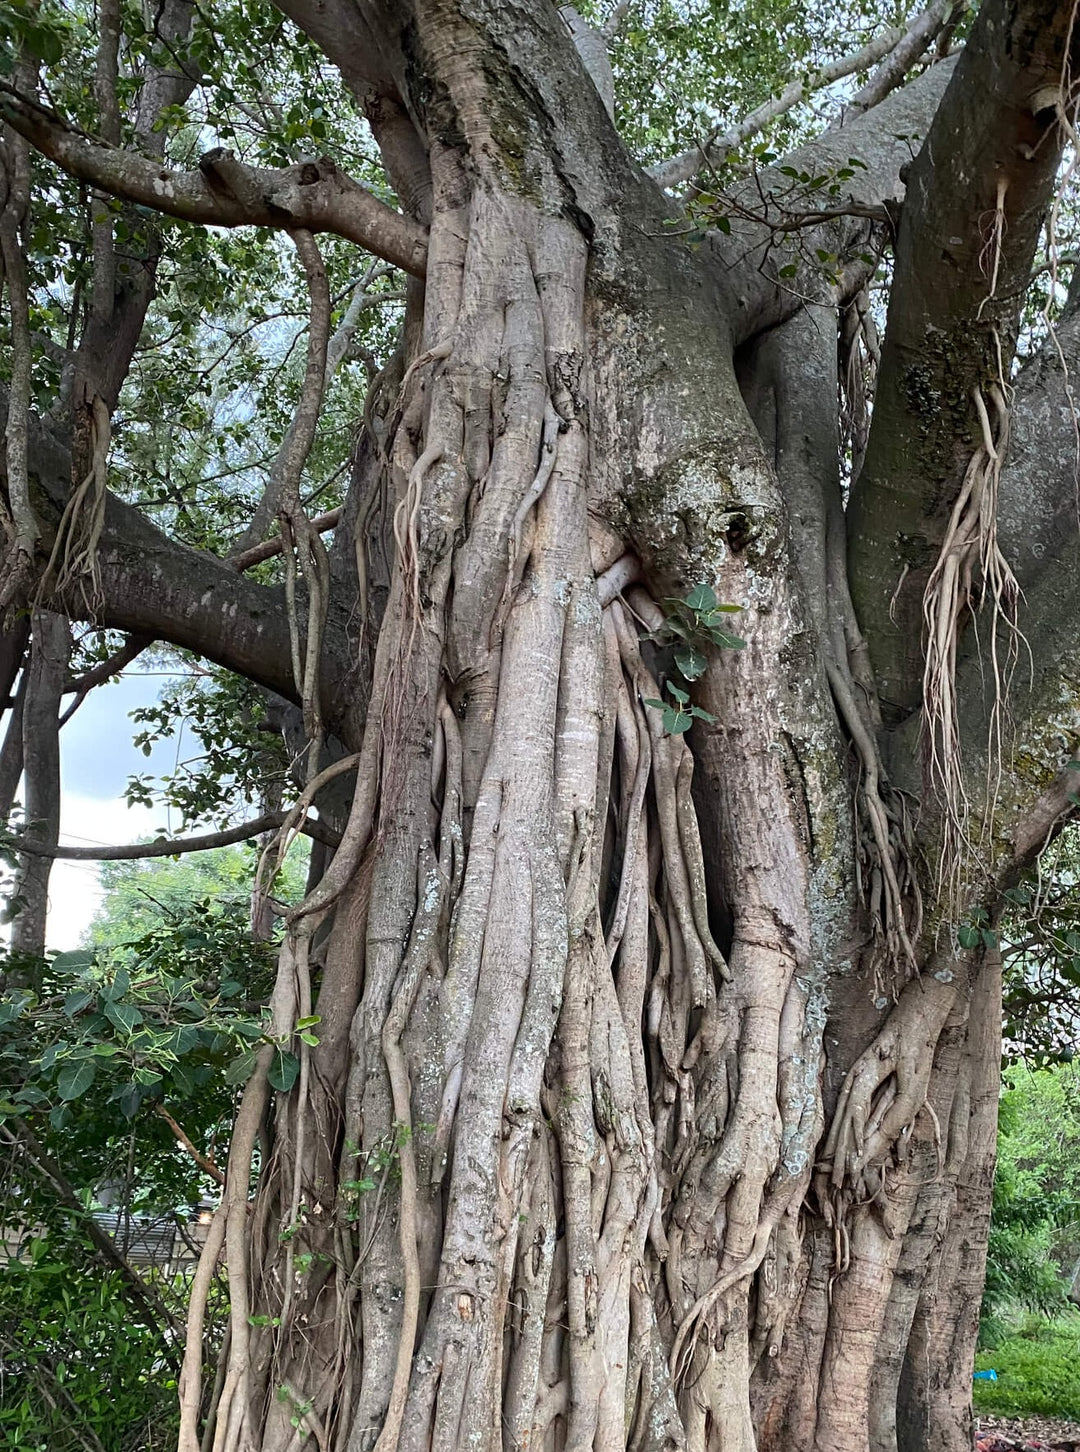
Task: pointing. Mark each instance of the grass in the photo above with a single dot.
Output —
(1038, 1367)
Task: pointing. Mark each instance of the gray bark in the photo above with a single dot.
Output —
(642, 1038)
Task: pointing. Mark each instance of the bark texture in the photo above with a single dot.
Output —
(653, 1105)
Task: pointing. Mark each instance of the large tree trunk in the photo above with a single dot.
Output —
(652, 1103)
(562, 1172)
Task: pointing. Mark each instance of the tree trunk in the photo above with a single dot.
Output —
(632, 1123)
(653, 1100)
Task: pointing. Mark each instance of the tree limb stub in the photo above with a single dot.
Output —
(224, 192)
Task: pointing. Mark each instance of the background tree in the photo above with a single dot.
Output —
(118, 1081)
(653, 1098)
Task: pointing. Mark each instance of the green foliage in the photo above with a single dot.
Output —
(151, 1014)
(684, 70)
(239, 757)
(1035, 1229)
(146, 895)
(690, 627)
(77, 1364)
(1040, 937)
(1038, 1368)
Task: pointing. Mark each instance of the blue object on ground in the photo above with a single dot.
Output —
(985, 1376)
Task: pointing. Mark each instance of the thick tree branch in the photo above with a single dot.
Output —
(920, 35)
(153, 586)
(976, 196)
(223, 192)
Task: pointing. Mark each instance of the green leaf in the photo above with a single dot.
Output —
(118, 987)
(968, 936)
(679, 694)
(676, 722)
(701, 598)
(239, 1071)
(283, 1071)
(691, 663)
(75, 1002)
(124, 1016)
(74, 960)
(75, 1079)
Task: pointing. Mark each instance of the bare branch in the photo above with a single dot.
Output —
(223, 192)
(132, 647)
(268, 548)
(681, 169)
(206, 1165)
(921, 34)
(176, 846)
(283, 487)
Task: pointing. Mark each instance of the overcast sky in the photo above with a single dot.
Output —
(96, 760)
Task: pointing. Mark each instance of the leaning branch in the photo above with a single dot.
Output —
(183, 1138)
(154, 586)
(714, 152)
(225, 193)
(105, 671)
(268, 548)
(176, 846)
(922, 33)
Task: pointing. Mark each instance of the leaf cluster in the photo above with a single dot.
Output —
(691, 626)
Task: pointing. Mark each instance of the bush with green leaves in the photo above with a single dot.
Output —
(1035, 1229)
(1038, 1370)
(104, 1052)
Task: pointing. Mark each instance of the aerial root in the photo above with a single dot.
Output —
(882, 1096)
(969, 569)
(899, 887)
(666, 761)
(73, 559)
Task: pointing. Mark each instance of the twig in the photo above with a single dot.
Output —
(206, 1165)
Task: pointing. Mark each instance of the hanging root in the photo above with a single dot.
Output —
(969, 570)
(893, 887)
(73, 560)
(883, 1094)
